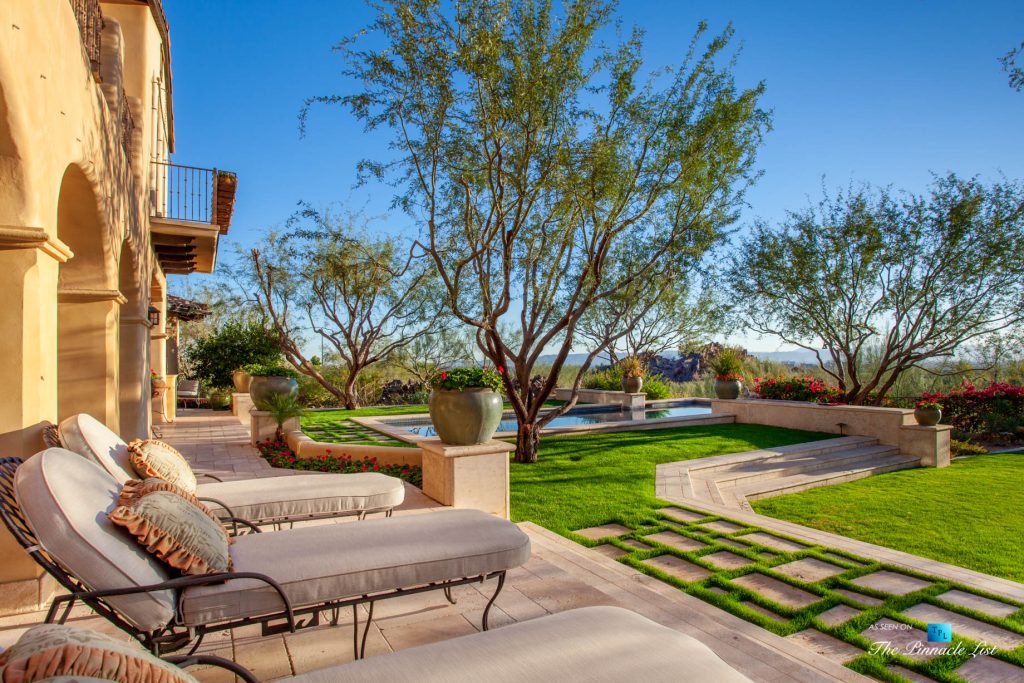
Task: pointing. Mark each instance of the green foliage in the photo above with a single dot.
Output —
(237, 343)
(467, 378)
(631, 366)
(282, 407)
(610, 379)
(656, 389)
(271, 370)
(278, 454)
(727, 364)
(794, 388)
(958, 448)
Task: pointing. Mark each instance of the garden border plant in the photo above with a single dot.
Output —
(279, 454)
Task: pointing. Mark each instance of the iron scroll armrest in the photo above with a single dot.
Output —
(183, 661)
(200, 473)
(235, 521)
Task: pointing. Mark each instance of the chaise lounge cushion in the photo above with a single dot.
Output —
(258, 500)
(588, 645)
(66, 499)
(314, 564)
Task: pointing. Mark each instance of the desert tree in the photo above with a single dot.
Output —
(366, 297)
(1013, 68)
(547, 173)
(876, 282)
(444, 348)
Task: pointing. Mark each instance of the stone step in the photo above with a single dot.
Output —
(837, 474)
(800, 450)
(783, 467)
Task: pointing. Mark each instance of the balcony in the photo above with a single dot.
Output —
(90, 23)
(190, 208)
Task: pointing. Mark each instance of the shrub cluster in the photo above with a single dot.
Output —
(996, 409)
(468, 378)
(610, 379)
(278, 454)
(808, 388)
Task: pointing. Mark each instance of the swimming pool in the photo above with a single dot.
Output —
(581, 415)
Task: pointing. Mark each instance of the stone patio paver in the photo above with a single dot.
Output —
(774, 542)
(678, 567)
(633, 543)
(764, 611)
(731, 543)
(722, 527)
(978, 603)
(776, 591)
(904, 639)
(674, 540)
(859, 598)
(840, 614)
(826, 646)
(809, 569)
(985, 669)
(611, 551)
(966, 626)
(911, 676)
(596, 533)
(726, 560)
(681, 515)
(894, 583)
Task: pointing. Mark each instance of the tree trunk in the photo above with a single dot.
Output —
(527, 442)
(351, 397)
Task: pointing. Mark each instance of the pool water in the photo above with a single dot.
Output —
(576, 416)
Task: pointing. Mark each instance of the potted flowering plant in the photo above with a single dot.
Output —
(928, 413)
(727, 367)
(465, 405)
(632, 374)
(156, 382)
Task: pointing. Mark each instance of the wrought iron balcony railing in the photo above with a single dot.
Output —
(189, 193)
(90, 23)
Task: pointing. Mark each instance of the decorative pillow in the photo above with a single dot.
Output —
(182, 534)
(134, 489)
(51, 651)
(152, 458)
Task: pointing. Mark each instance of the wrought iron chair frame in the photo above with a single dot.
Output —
(175, 636)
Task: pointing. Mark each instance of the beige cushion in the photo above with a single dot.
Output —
(304, 495)
(65, 499)
(179, 531)
(85, 435)
(346, 560)
(153, 458)
(588, 645)
(53, 652)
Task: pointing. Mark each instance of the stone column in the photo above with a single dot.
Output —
(468, 476)
(134, 378)
(87, 354)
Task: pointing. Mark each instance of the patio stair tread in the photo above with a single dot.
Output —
(829, 474)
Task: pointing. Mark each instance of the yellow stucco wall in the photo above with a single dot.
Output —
(76, 264)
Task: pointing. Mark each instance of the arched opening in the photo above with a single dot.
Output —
(88, 306)
(133, 347)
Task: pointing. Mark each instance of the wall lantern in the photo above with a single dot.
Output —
(154, 316)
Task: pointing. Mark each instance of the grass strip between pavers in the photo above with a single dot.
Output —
(941, 668)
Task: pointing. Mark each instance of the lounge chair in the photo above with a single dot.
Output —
(269, 500)
(56, 503)
(586, 645)
(188, 391)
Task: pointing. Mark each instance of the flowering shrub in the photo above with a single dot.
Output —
(928, 405)
(808, 389)
(995, 409)
(468, 378)
(278, 454)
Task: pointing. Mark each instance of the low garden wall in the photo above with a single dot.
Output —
(602, 397)
(306, 448)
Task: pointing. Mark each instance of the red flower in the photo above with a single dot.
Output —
(444, 375)
(501, 370)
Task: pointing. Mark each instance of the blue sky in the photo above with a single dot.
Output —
(884, 92)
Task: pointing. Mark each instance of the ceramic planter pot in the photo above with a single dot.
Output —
(632, 385)
(728, 388)
(158, 385)
(927, 417)
(465, 417)
(241, 380)
(262, 388)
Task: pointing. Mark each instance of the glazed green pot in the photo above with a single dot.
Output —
(728, 388)
(632, 385)
(262, 388)
(927, 417)
(465, 417)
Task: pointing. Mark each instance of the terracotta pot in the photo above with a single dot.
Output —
(728, 388)
(158, 385)
(465, 417)
(927, 417)
(632, 385)
(262, 388)
(241, 380)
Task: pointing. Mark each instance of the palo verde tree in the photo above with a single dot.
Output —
(876, 283)
(547, 173)
(366, 297)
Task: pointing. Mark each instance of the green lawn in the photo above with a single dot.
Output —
(970, 514)
(334, 426)
(591, 479)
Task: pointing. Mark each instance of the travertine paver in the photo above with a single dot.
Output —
(826, 645)
(633, 543)
(903, 639)
(985, 669)
(681, 515)
(678, 567)
(809, 569)
(911, 676)
(764, 611)
(891, 582)
(674, 540)
(840, 614)
(722, 527)
(726, 560)
(770, 541)
(604, 531)
(966, 626)
(776, 590)
(611, 551)
(978, 603)
(859, 598)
